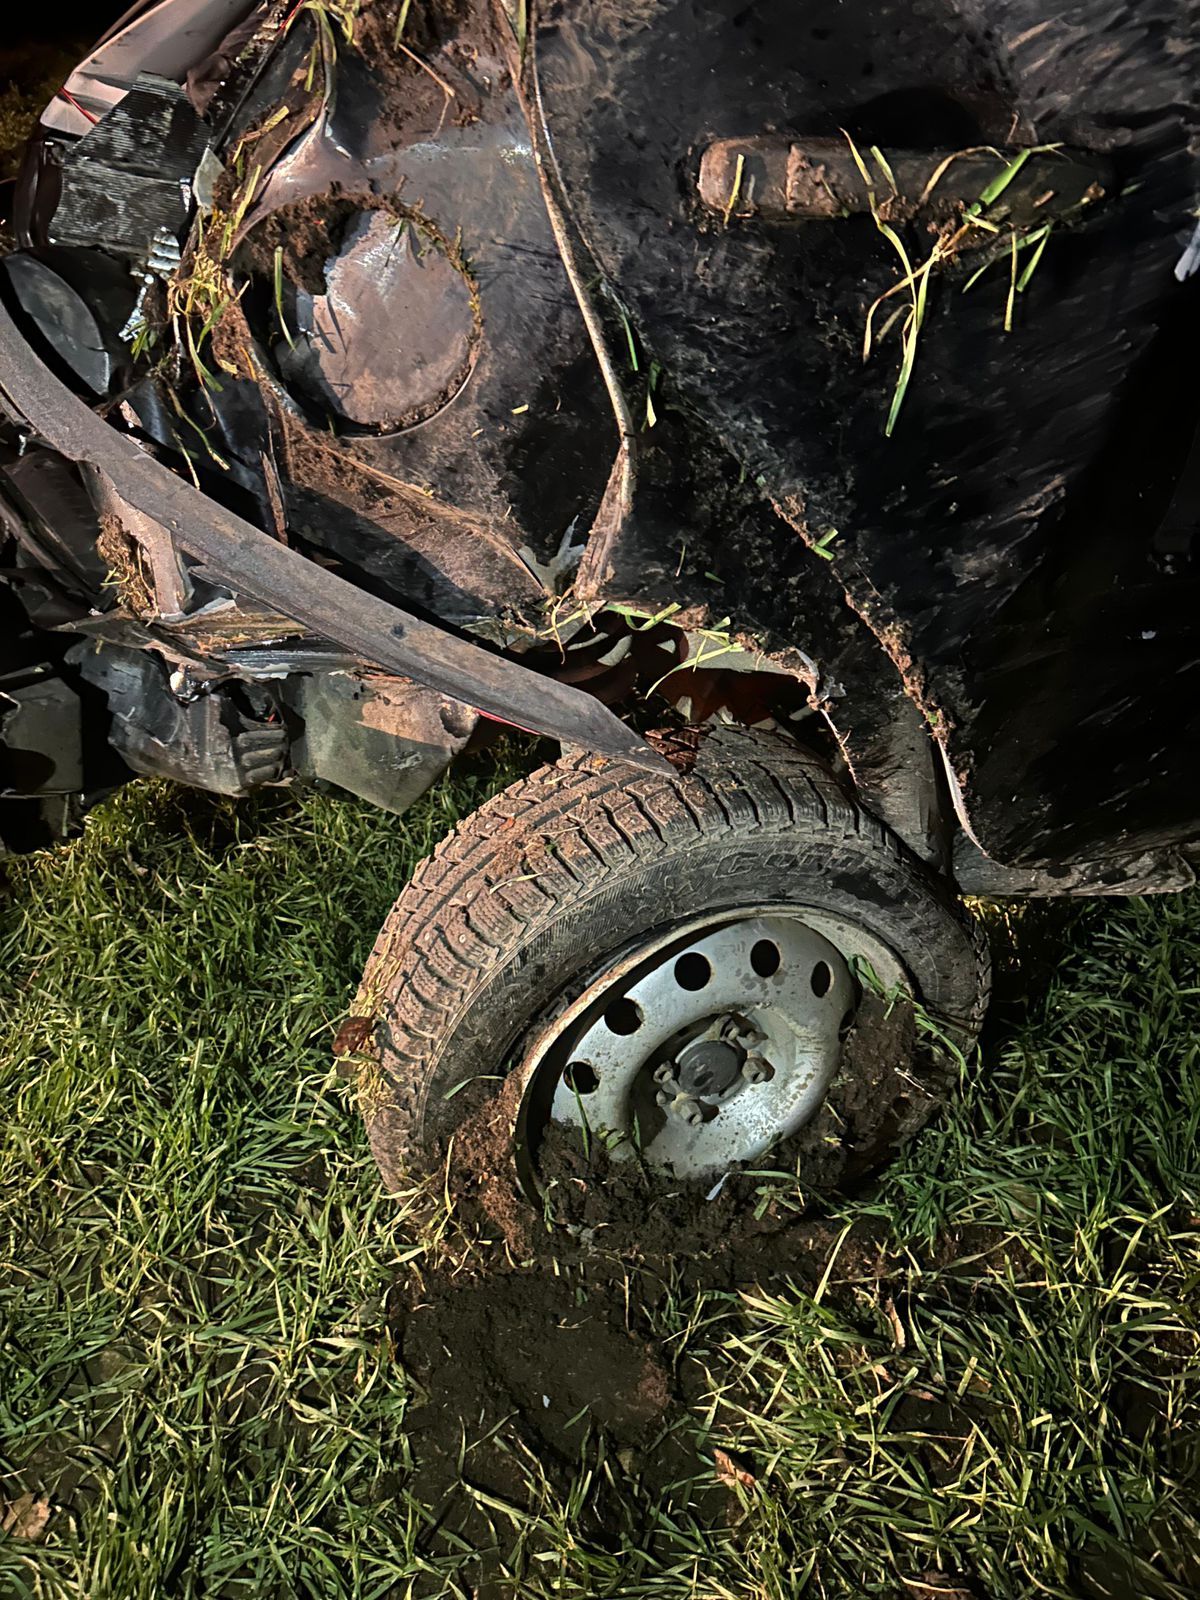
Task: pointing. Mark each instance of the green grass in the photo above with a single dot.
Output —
(193, 1248)
(1038, 1428)
(996, 1385)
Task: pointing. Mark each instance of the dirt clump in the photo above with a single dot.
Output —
(546, 1345)
(556, 1352)
(533, 1377)
(887, 1085)
(530, 1380)
(437, 72)
(307, 235)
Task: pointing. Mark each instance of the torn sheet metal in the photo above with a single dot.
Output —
(163, 39)
(999, 543)
(251, 561)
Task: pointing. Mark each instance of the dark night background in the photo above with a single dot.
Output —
(39, 46)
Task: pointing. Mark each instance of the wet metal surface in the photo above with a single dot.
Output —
(392, 338)
(821, 179)
(1001, 543)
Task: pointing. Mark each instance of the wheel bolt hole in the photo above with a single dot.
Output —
(581, 1077)
(765, 958)
(692, 971)
(822, 978)
(623, 1016)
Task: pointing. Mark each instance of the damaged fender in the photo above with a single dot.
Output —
(251, 561)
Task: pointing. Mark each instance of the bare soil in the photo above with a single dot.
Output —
(450, 45)
(523, 1367)
(522, 1371)
(546, 1334)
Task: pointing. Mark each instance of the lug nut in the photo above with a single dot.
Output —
(756, 1070)
(682, 1105)
(664, 1072)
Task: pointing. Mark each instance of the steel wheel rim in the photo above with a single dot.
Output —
(625, 1061)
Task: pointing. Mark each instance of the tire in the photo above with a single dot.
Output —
(532, 893)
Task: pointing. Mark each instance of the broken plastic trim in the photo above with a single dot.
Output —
(252, 562)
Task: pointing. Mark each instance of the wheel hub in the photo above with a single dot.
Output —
(701, 1049)
(710, 1067)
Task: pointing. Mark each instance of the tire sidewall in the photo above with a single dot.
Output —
(878, 891)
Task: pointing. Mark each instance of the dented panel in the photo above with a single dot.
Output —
(842, 340)
(1003, 543)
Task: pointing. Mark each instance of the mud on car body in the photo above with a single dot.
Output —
(377, 374)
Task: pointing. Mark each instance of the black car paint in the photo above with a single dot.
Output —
(1002, 595)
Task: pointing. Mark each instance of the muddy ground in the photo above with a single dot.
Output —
(549, 1335)
(524, 1368)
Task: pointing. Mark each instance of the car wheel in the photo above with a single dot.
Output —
(678, 963)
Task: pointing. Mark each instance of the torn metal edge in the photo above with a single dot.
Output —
(251, 560)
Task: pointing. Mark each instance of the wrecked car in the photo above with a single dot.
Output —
(807, 383)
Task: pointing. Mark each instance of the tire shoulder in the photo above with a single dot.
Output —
(552, 842)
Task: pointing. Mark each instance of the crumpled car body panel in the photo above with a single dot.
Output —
(525, 330)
